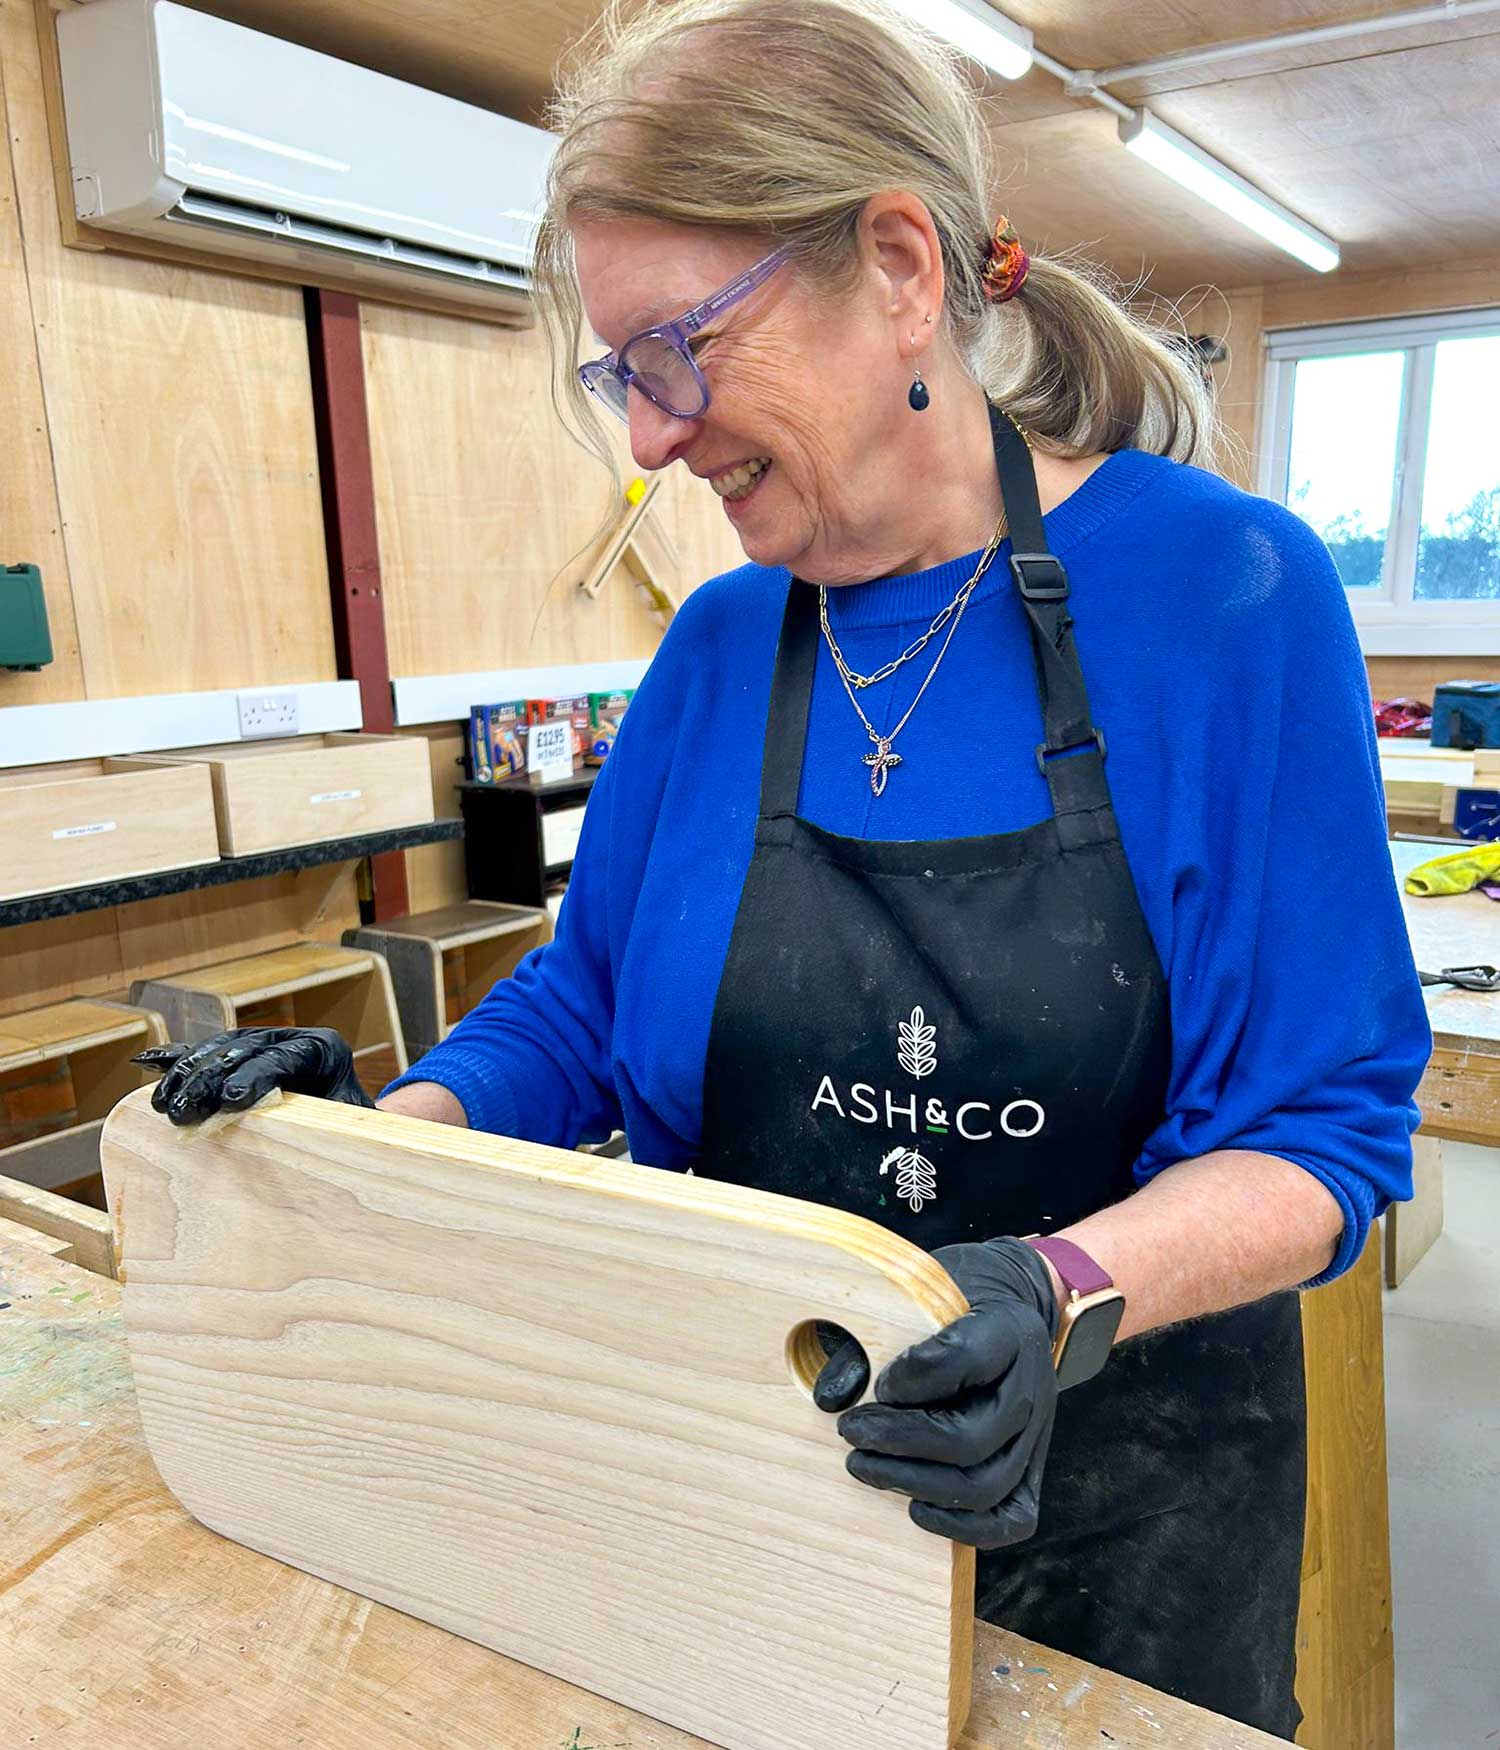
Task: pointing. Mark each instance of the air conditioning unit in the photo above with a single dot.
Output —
(189, 130)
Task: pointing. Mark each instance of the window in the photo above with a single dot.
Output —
(1381, 435)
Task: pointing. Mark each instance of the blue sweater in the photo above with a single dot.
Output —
(1223, 666)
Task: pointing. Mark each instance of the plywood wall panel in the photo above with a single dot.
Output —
(30, 523)
(435, 874)
(180, 418)
(99, 953)
(226, 923)
(487, 508)
(64, 957)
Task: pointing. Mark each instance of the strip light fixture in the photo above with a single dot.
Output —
(1203, 175)
(985, 35)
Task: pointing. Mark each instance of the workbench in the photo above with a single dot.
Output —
(126, 1623)
(1460, 1092)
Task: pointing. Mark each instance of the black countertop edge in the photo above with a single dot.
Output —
(65, 902)
(583, 779)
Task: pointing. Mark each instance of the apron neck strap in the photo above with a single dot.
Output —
(1071, 756)
(791, 702)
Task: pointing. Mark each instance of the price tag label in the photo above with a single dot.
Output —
(549, 751)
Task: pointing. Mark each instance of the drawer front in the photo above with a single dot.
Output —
(104, 829)
(322, 793)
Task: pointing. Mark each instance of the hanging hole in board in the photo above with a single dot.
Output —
(809, 1345)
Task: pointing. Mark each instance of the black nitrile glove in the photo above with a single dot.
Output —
(231, 1071)
(963, 1419)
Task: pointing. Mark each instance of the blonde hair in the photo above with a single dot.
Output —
(780, 119)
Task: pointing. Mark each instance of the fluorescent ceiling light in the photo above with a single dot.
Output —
(982, 33)
(1203, 175)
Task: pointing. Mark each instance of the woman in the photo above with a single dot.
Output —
(868, 910)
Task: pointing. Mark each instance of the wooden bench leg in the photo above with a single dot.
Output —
(1410, 1228)
(1345, 1651)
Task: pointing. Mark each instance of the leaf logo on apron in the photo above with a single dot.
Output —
(916, 1177)
(917, 1052)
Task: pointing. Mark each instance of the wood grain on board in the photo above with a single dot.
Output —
(547, 1402)
(127, 1623)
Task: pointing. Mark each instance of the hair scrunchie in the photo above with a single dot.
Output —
(1006, 264)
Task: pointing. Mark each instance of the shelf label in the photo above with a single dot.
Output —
(336, 796)
(85, 832)
(549, 751)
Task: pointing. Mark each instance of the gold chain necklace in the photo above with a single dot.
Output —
(883, 761)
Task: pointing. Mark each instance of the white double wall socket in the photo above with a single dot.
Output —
(264, 713)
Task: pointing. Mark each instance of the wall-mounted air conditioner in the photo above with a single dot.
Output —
(188, 130)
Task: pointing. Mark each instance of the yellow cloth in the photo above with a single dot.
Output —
(1459, 873)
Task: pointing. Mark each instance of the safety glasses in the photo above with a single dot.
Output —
(659, 361)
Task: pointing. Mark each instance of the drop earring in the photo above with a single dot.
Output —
(919, 398)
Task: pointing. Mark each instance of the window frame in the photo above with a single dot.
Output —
(1392, 621)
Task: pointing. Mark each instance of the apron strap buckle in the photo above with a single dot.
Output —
(1052, 580)
(1045, 753)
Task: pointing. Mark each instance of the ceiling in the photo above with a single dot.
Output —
(1390, 142)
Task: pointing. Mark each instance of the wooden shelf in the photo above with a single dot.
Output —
(64, 902)
(62, 1070)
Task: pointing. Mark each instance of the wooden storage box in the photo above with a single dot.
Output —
(270, 795)
(86, 821)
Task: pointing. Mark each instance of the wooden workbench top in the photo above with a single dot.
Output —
(127, 1623)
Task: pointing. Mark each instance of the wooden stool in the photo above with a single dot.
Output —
(443, 962)
(311, 984)
(62, 1070)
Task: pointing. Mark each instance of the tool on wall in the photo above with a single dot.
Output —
(643, 546)
(25, 640)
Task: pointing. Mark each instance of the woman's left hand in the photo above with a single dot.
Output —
(963, 1420)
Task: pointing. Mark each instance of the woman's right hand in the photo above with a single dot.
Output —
(231, 1071)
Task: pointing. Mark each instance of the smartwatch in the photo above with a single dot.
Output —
(1089, 1316)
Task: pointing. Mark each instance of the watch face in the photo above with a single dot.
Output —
(1091, 1336)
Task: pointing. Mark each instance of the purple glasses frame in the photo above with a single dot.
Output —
(598, 373)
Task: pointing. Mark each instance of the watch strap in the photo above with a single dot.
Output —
(1080, 1274)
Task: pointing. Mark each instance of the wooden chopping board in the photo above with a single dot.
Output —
(553, 1403)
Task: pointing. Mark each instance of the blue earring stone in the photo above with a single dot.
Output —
(918, 397)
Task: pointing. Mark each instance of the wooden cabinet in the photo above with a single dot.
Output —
(520, 838)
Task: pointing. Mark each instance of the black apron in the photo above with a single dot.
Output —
(963, 1038)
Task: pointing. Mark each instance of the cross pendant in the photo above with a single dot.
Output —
(880, 763)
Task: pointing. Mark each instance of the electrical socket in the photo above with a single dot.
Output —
(267, 714)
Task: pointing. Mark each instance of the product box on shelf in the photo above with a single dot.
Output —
(497, 741)
(605, 712)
